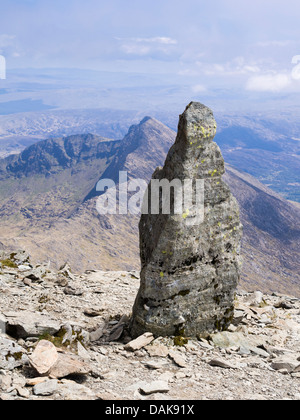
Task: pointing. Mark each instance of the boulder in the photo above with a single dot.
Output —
(25, 324)
(44, 357)
(189, 243)
(12, 355)
(68, 364)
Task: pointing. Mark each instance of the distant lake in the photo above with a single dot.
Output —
(24, 105)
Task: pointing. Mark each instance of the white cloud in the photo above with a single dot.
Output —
(7, 40)
(239, 66)
(146, 46)
(198, 88)
(7, 43)
(135, 49)
(296, 59)
(267, 44)
(156, 40)
(296, 70)
(269, 82)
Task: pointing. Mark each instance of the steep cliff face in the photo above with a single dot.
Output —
(54, 155)
(190, 261)
(143, 148)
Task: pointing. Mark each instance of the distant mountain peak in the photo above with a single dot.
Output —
(139, 151)
(55, 154)
(144, 120)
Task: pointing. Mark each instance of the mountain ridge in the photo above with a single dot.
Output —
(52, 215)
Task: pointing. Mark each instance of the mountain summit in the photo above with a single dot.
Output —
(139, 152)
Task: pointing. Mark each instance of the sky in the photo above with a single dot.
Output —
(248, 44)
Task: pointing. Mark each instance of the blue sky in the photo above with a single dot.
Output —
(248, 43)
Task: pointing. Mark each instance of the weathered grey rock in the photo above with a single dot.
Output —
(258, 299)
(226, 339)
(178, 359)
(221, 363)
(155, 386)
(25, 324)
(5, 381)
(65, 270)
(156, 364)
(12, 355)
(291, 364)
(73, 291)
(190, 266)
(71, 391)
(157, 350)
(45, 388)
(19, 257)
(36, 275)
(96, 335)
(22, 392)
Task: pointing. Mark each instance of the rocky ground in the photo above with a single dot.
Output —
(63, 337)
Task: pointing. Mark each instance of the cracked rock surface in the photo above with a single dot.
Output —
(190, 260)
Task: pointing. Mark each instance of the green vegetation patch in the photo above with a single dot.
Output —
(8, 263)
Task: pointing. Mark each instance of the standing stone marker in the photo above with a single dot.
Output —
(190, 261)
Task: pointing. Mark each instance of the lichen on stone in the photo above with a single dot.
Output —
(201, 268)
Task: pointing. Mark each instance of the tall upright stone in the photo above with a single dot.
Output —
(190, 261)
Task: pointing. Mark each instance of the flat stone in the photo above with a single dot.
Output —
(45, 388)
(285, 362)
(178, 359)
(139, 342)
(227, 339)
(157, 364)
(2, 324)
(25, 324)
(221, 363)
(260, 352)
(23, 268)
(5, 382)
(96, 335)
(154, 387)
(22, 392)
(36, 381)
(73, 291)
(71, 391)
(157, 350)
(68, 364)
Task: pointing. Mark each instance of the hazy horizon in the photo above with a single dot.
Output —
(248, 47)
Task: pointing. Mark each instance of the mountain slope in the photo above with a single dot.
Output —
(48, 206)
(49, 179)
(271, 235)
(268, 149)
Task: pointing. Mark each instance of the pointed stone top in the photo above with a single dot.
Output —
(196, 124)
(190, 265)
(197, 112)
